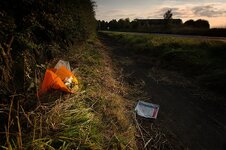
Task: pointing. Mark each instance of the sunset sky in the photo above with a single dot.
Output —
(212, 10)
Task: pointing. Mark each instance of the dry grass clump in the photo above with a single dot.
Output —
(104, 93)
(70, 124)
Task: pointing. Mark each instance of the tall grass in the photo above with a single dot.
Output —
(93, 118)
(70, 124)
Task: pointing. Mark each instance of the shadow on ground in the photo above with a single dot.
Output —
(189, 117)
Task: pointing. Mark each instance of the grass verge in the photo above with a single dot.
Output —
(94, 118)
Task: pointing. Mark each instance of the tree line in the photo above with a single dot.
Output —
(169, 26)
(137, 24)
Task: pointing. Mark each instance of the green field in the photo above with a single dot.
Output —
(199, 59)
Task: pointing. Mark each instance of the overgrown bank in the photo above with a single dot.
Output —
(34, 35)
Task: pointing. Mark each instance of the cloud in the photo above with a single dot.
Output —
(118, 14)
(178, 12)
(208, 11)
(188, 11)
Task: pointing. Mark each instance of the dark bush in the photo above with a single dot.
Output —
(32, 32)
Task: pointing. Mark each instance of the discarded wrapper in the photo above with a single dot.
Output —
(147, 110)
(61, 63)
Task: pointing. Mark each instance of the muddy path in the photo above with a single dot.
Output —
(193, 117)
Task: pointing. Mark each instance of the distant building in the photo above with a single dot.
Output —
(159, 22)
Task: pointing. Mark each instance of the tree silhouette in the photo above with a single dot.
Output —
(167, 17)
(168, 14)
(200, 23)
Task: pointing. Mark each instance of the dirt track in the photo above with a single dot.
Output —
(196, 118)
